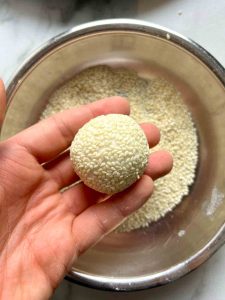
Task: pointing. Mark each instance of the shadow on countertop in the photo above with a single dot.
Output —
(65, 11)
(104, 8)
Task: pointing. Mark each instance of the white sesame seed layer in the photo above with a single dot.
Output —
(109, 153)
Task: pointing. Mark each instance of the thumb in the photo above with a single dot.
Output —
(2, 101)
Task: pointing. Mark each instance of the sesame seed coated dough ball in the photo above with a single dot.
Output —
(109, 153)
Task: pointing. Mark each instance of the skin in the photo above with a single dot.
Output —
(43, 231)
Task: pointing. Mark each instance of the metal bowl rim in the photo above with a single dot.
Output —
(179, 270)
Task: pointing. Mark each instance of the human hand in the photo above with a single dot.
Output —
(43, 230)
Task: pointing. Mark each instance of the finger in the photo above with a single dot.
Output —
(51, 136)
(77, 198)
(152, 134)
(2, 101)
(160, 163)
(61, 169)
(98, 220)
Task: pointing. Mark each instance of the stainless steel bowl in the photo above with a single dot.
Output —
(190, 234)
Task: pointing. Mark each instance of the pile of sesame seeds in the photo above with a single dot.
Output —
(152, 100)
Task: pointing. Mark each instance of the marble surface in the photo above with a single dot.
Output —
(26, 24)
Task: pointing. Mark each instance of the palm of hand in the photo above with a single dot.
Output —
(40, 225)
(43, 230)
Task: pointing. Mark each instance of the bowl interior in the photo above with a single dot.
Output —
(164, 245)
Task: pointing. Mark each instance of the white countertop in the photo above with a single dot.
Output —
(25, 25)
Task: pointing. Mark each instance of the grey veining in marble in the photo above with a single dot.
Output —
(26, 24)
